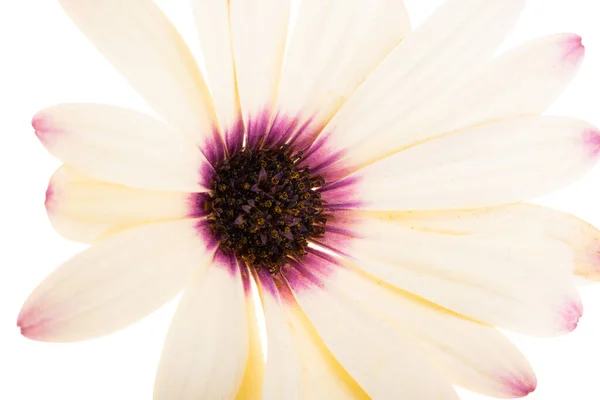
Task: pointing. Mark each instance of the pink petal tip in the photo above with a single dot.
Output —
(517, 387)
(591, 140)
(570, 315)
(43, 128)
(574, 49)
(31, 325)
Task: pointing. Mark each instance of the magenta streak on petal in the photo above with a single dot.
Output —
(570, 315)
(207, 234)
(344, 194)
(234, 137)
(591, 139)
(306, 134)
(197, 205)
(226, 261)
(256, 128)
(44, 129)
(207, 174)
(266, 282)
(574, 50)
(280, 131)
(517, 387)
(213, 147)
(311, 271)
(246, 279)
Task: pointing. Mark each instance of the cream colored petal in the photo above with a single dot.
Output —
(206, 349)
(212, 20)
(519, 282)
(299, 365)
(525, 81)
(494, 164)
(438, 57)
(259, 30)
(252, 383)
(472, 355)
(385, 364)
(120, 146)
(335, 44)
(116, 282)
(138, 39)
(84, 209)
(582, 238)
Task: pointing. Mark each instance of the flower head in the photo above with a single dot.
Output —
(367, 180)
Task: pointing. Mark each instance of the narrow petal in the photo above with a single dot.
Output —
(138, 39)
(299, 365)
(472, 355)
(525, 81)
(334, 46)
(582, 238)
(494, 164)
(115, 283)
(385, 364)
(212, 20)
(259, 30)
(84, 209)
(518, 282)
(438, 57)
(206, 349)
(252, 382)
(120, 146)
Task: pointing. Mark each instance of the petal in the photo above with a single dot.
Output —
(212, 20)
(525, 81)
(494, 164)
(582, 238)
(385, 364)
(84, 209)
(252, 383)
(472, 355)
(120, 146)
(258, 29)
(138, 39)
(335, 44)
(439, 56)
(519, 282)
(299, 365)
(115, 283)
(206, 349)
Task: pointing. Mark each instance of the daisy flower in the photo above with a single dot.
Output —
(368, 180)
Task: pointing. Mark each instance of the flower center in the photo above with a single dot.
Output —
(264, 208)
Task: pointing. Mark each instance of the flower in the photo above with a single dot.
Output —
(367, 180)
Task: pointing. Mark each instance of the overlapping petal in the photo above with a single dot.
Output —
(116, 282)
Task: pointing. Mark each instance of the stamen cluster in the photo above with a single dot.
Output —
(264, 207)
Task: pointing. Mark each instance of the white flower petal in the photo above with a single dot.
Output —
(582, 238)
(259, 30)
(385, 364)
(494, 164)
(212, 20)
(121, 146)
(518, 282)
(116, 282)
(335, 44)
(525, 81)
(252, 383)
(206, 351)
(299, 365)
(471, 354)
(138, 39)
(84, 209)
(439, 56)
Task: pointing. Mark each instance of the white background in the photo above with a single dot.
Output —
(45, 60)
